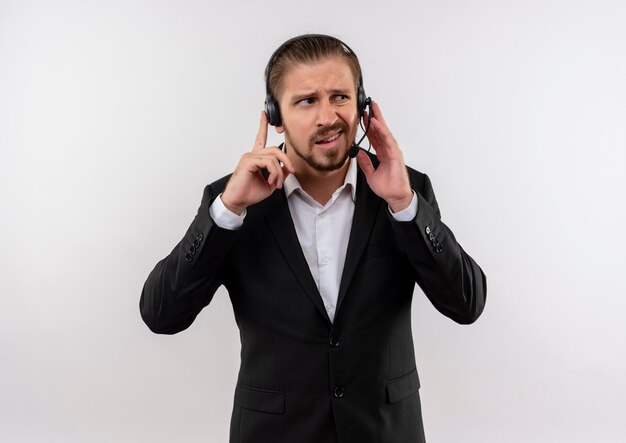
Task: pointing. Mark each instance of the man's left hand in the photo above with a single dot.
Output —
(390, 181)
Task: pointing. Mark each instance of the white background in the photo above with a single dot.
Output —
(114, 115)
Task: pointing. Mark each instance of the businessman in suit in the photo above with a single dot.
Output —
(320, 253)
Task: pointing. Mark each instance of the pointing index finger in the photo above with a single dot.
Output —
(261, 136)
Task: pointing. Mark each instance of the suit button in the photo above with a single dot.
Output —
(192, 250)
(196, 243)
(334, 341)
(200, 236)
(188, 257)
(338, 391)
(427, 230)
(435, 241)
(439, 248)
(431, 236)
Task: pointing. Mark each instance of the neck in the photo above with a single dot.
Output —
(321, 185)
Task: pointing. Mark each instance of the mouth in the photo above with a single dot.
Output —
(329, 139)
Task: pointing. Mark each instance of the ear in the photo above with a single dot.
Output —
(280, 129)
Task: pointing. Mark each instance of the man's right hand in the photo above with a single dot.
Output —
(247, 185)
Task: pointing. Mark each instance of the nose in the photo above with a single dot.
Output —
(326, 114)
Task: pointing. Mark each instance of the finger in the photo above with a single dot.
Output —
(365, 163)
(261, 136)
(254, 163)
(376, 138)
(282, 157)
(280, 175)
(376, 112)
(383, 135)
(280, 183)
(371, 133)
(276, 175)
(286, 173)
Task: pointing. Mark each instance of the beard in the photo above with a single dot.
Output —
(331, 159)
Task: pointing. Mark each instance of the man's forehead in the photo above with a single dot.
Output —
(329, 73)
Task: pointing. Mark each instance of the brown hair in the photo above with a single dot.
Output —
(307, 49)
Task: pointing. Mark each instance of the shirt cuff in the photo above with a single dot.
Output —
(223, 217)
(408, 213)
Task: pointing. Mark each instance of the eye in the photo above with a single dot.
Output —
(341, 98)
(306, 102)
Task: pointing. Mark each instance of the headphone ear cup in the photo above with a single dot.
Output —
(272, 111)
(361, 101)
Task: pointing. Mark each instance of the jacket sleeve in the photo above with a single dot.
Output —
(184, 282)
(449, 277)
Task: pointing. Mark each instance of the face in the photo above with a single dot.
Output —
(318, 106)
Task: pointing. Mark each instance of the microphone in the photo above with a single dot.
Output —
(354, 149)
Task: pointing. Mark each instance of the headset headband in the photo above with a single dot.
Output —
(285, 45)
(271, 104)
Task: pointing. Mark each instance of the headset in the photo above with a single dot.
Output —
(271, 104)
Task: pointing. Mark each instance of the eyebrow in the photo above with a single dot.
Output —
(303, 95)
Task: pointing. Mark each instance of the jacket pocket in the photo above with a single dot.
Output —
(261, 400)
(402, 387)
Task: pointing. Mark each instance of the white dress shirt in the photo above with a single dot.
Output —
(323, 230)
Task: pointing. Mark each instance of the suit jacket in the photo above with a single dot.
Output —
(302, 377)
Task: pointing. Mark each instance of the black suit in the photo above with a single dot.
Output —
(302, 378)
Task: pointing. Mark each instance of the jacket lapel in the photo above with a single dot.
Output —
(278, 218)
(365, 212)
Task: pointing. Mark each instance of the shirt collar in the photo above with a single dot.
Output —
(291, 182)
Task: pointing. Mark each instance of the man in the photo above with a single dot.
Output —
(320, 254)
